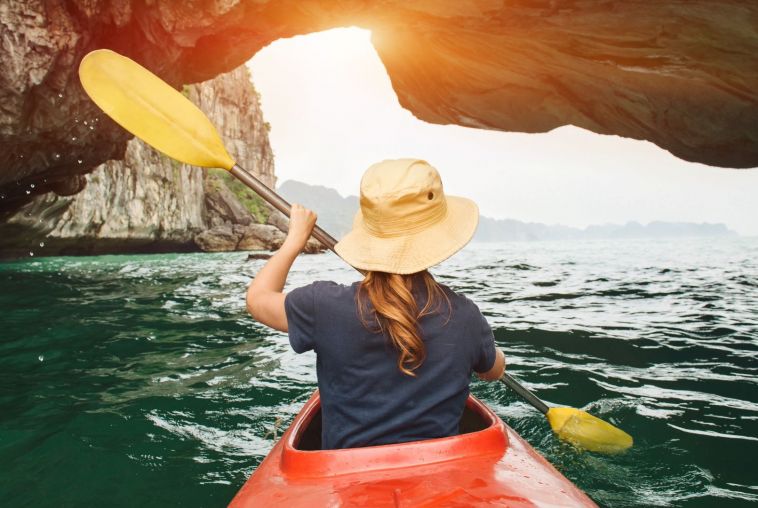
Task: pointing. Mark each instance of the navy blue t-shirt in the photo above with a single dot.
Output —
(365, 399)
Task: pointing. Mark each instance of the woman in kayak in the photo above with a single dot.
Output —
(395, 351)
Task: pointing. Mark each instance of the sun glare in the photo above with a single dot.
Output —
(333, 113)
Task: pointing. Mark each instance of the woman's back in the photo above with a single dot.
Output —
(393, 363)
(366, 399)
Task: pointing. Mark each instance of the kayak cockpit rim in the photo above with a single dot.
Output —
(491, 440)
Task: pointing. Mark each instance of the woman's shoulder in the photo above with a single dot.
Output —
(468, 314)
(329, 289)
(320, 297)
(451, 293)
(460, 301)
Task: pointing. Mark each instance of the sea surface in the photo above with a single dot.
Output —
(141, 381)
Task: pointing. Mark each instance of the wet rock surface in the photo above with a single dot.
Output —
(240, 237)
(247, 237)
(256, 256)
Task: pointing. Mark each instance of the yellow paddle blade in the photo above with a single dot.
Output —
(586, 431)
(152, 110)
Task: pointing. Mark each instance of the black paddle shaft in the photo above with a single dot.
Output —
(526, 394)
(328, 241)
(278, 202)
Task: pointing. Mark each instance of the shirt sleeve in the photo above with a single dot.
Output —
(299, 308)
(484, 341)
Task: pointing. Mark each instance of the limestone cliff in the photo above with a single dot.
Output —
(233, 105)
(682, 74)
(149, 203)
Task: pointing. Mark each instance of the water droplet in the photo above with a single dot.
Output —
(41, 358)
(57, 156)
(73, 138)
(21, 156)
(91, 128)
(85, 122)
(42, 244)
(28, 191)
(31, 185)
(31, 253)
(60, 95)
(79, 161)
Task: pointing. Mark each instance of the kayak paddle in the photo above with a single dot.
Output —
(148, 107)
(161, 116)
(574, 425)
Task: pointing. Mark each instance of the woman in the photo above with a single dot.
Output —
(395, 351)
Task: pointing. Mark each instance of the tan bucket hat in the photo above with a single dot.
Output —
(406, 223)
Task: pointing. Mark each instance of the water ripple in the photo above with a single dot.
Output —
(144, 372)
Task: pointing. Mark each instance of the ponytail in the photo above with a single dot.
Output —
(396, 312)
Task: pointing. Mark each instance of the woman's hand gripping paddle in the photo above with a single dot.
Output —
(162, 117)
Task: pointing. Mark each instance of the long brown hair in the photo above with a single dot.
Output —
(396, 311)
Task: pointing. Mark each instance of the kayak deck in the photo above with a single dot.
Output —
(488, 464)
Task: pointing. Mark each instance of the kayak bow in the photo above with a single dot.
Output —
(487, 464)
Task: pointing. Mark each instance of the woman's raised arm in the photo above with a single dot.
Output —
(265, 299)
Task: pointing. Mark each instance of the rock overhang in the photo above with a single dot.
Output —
(683, 75)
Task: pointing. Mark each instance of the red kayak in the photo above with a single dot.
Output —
(487, 464)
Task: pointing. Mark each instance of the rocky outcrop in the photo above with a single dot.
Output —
(150, 203)
(683, 75)
(240, 237)
(248, 237)
(144, 203)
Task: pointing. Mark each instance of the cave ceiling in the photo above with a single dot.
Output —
(681, 74)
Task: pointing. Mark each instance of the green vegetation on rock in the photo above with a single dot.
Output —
(249, 199)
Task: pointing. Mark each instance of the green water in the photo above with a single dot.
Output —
(140, 380)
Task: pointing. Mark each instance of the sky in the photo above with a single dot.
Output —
(333, 113)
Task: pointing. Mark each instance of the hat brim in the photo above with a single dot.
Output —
(413, 252)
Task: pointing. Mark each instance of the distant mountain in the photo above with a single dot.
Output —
(494, 230)
(658, 229)
(335, 215)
